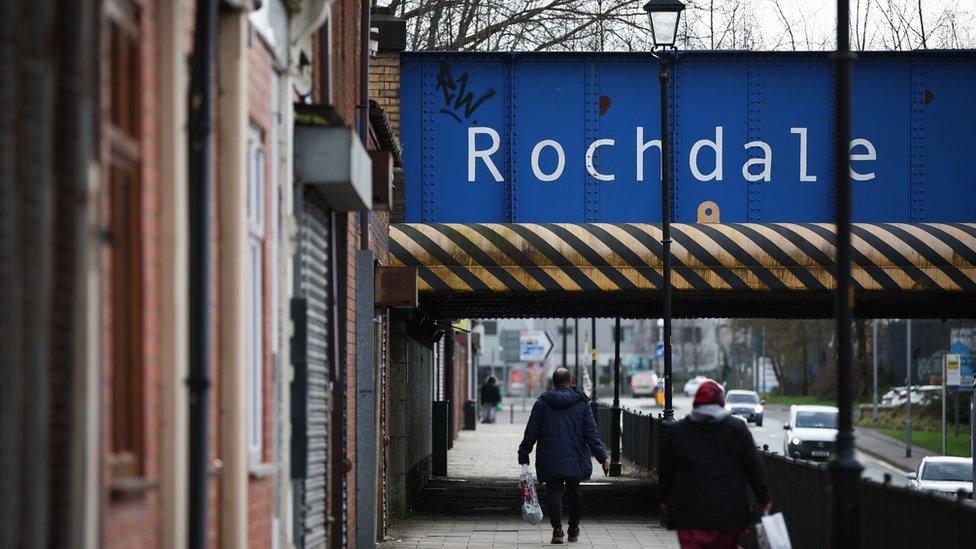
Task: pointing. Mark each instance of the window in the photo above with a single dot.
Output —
(491, 327)
(816, 420)
(568, 330)
(121, 126)
(255, 343)
(691, 334)
(626, 334)
(948, 471)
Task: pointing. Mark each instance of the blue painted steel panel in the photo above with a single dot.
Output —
(913, 110)
(950, 124)
(630, 99)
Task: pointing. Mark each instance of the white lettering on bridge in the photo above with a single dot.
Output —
(759, 168)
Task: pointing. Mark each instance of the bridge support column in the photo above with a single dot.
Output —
(593, 366)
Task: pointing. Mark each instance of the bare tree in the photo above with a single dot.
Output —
(621, 25)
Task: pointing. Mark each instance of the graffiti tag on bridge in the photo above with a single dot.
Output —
(456, 94)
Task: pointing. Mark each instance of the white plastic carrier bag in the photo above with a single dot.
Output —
(531, 510)
(772, 534)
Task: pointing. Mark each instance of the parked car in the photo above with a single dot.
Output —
(692, 386)
(643, 383)
(945, 475)
(811, 432)
(745, 404)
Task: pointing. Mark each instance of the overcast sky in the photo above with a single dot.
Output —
(813, 21)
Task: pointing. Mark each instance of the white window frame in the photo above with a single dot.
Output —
(275, 221)
(256, 189)
(256, 166)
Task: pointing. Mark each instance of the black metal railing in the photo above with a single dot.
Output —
(639, 435)
(892, 517)
(640, 438)
(604, 419)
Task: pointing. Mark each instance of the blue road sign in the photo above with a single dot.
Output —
(576, 137)
(659, 349)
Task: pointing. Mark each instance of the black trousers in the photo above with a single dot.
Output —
(554, 499)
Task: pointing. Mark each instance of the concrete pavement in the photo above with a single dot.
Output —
(489, 455)
(890, 450)
(515, 532)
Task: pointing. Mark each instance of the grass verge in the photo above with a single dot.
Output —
(794, 399)
(932, 440)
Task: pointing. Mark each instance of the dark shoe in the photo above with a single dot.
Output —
(573, 534)
(557, 535)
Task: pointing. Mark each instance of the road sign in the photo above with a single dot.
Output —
(534, 345)
(953, 370)
(659, 349)
(963, 343)
(574, 137)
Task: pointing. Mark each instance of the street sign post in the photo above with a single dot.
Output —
(951, 377)
(534, 346)
(963, 343)
(953, 365)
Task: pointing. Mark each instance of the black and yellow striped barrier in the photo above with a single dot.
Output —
(537, 258)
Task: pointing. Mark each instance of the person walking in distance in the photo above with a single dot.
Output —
(708, 462)
(490, 396)
(562, 428)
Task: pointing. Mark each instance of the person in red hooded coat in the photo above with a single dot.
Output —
(710, 460)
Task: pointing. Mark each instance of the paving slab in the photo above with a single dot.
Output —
(514, 532)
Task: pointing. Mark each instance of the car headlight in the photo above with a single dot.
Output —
(795, 441)
(728, 406)
(759, 409)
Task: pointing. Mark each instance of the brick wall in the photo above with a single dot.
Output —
(460, 393)
(260, 502)
(384, 88)
(384, 85)
(132, 519)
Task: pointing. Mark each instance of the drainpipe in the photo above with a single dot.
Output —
(366, 432)
(364, 107)
(200, 169)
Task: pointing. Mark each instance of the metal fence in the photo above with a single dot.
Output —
(892, 517)
(604, 420)
(641, 438)
(639, 435)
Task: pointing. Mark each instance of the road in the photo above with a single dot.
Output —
(771, 434)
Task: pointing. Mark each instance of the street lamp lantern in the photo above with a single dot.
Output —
(664, 15)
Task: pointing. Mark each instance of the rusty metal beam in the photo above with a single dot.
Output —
(396, 287)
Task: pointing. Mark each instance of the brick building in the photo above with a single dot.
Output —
(98, 203)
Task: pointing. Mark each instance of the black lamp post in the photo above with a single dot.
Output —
(845, 471)
(664, 16)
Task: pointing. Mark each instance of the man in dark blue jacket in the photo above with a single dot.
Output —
(563, 426)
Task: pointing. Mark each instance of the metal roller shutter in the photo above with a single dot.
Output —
(312, 386)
